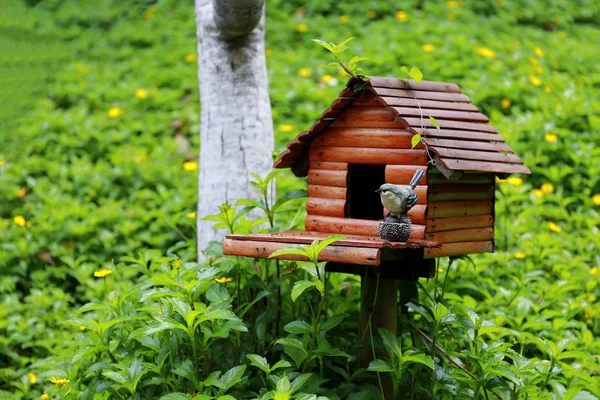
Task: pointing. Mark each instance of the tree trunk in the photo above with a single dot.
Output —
(236, 129)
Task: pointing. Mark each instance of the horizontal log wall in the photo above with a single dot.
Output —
(327, 178)
(457, 249)
(352, 226)
(402, 174)
(356, 155)
(326, 207)
(461, 235)
(327, 192)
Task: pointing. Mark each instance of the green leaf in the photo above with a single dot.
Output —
(320, 245)
(415, 140)
(409, 356)
(434, 122)
(259, 362)
(416, 74)
(327, 45)
(164, 325)
(332, 322)
(176, 396)
(233, 376)
(299, 382)
(281, 364)
(290, 250)
(298, 327)
(404, 69)
(300, 287)
(186, 370)
(294, 194)
(380, 366)
(115, 376)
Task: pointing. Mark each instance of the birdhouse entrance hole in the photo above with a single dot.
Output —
(362, 201)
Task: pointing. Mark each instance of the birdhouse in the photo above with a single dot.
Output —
(363, 140)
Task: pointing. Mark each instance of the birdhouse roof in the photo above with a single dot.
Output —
(464, 142)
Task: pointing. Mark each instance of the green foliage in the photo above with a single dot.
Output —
(98, 173)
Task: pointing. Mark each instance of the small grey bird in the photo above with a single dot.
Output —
(399, 199)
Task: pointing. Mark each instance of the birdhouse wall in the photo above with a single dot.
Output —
(363, 134)
(460, 213)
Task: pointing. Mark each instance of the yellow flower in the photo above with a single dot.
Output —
(281, 396)
(115, 112)
(304, 72)
(505, 103)
(428, 48)
(344, 19)
(514, 181)
(452, 4)
(139, 159)
(301, 28)
(372, 14)
(548, 89)
(102, 273)
(596, 199)
(45, 396)
(326, 78)
(81, 328)
(547, 188)
(594, 271)
(539, 52)
(537, 193)
(176, 263)
(485, 52)
(401, 16)
(191, 215)
(32, 378)
(286, 128)
(19, 220)
(268, 52)
(21, 193)
(189, 58)
(223, 280)
(520, 255)
(554, 228)
(535, 80)
(190, 166)
(550, 137)
(591, 298)
(59, 381)
(2, 162)
(141, 94)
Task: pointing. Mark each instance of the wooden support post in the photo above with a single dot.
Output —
(383, 315)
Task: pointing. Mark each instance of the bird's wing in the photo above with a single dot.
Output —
(412, 199)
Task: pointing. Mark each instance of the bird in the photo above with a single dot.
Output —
(399, 199)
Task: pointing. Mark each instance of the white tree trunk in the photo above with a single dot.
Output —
(236, 129)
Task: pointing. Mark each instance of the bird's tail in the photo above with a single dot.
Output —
(416, 178)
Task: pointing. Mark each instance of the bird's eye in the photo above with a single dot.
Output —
(384, 190)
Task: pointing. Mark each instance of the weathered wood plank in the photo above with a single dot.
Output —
(483, 178)
(326, 192)
(331, 166)
(458, 249)
(461, 235)
(455, 164)
(422, 95)
(352, 226)
(454, 223)
(402, 174)
(460, 208)
(342, 254)
(460, 192)
(369, 156)
(441, 114)
(429, 133)
(325, 177)
(446, 124)
(326, 207)
(414, 103)
(397, 83)
(468, 144)
(477, 155)
(362, 137)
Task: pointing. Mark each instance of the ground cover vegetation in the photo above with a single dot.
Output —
(100, 293)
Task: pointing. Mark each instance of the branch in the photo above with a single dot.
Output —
(235, 18)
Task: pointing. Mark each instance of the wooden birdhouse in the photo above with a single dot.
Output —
(362, 141)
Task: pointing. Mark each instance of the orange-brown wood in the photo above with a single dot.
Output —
(364, 137)
(352, 226)
(446, 124)
(325, 177)
(416, 214)
(332, 166)
(477, 155)
(460, 192)
(367, 114)
(429, 133)
(369, 156)
(461, 235)
(385, 82)
(460, 208)
(419, 103)
(341, 254)
(326, 192)
(459, 249)
(307, 237)
(369, 124)
(483, 178)
(402, 174)
(425, 113)
(455, 164)
(467, 144)
(453, 223)
(422, 95)
(327, 207)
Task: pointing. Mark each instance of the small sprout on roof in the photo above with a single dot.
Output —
(351, 67)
